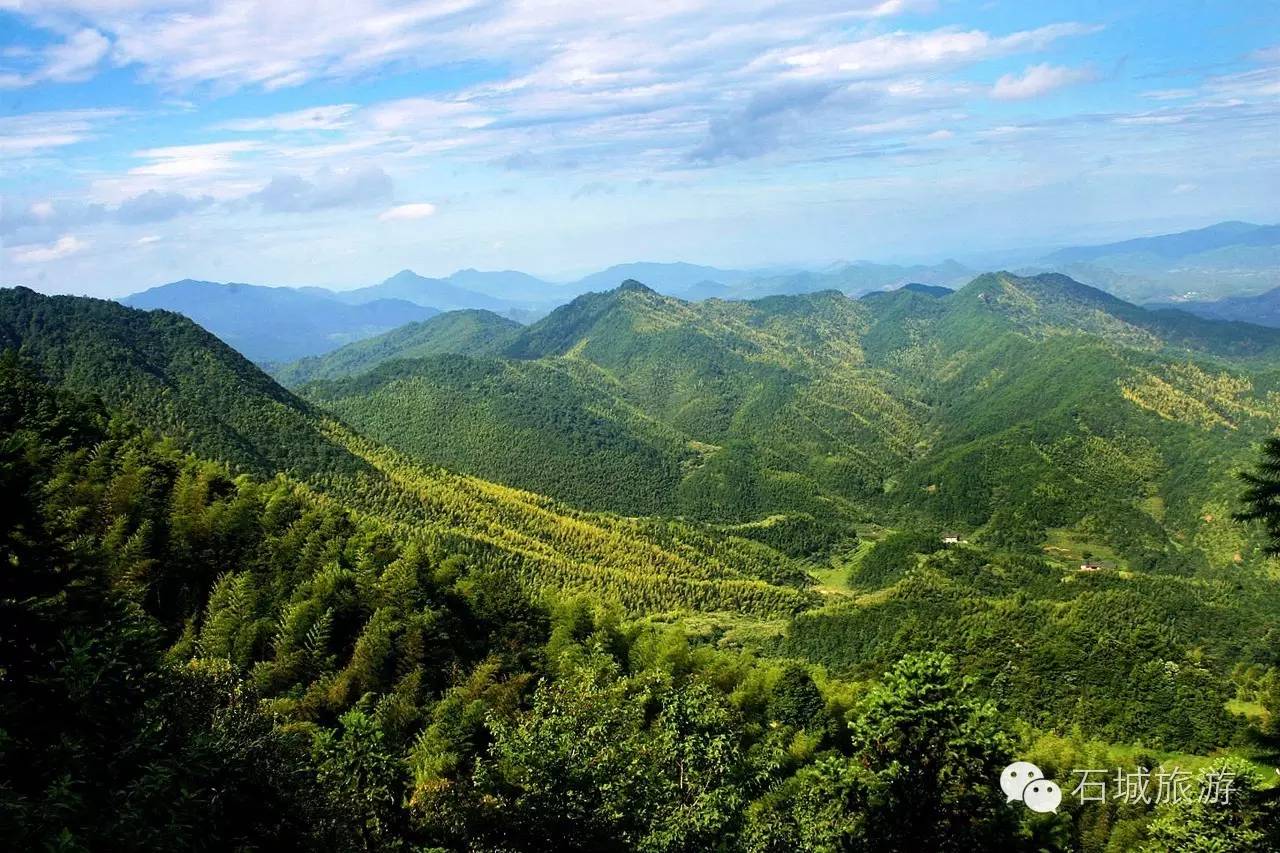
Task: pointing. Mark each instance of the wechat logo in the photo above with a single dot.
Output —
(1023, 781)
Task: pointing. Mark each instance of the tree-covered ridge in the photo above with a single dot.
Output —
(1051, 303)
(171, 376)
(549, 426)
(162, 371)
(469, 332)
(1016, 408)
(197, 661)
(640, 403)
(1036, 426)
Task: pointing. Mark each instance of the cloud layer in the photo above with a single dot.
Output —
(289, 134)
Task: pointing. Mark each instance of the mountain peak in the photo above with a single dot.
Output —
(404, 276)
(633, 286)
(927, 289)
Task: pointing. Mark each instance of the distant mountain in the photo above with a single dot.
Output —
(1227, 259)
(705, 409)
(825, 406)
(1177, 246)
(509, 286)
(669, 278)
(173, 376)
(854, 279)
(268, 324)
(437, 293)
(1051, 304)
(1262, 310)
(704, 290)
(468, 332)
(693, 283)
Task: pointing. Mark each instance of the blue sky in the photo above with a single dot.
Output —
(334, 142)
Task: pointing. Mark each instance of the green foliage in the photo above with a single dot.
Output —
(365, 779)
(1232, 822)
(935, 749)
(546, 428)
(469, 332)
(171, 376)
(892, 557)
(1145, 658)
(1262, 497)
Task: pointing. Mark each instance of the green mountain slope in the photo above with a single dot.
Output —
(551, 427)
(635, 402)
(173, 377)
(1026, 409)
(1056, 406)
(160, 370)
(470, 332)
(350, 648)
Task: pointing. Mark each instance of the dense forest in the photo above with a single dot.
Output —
(645, 575)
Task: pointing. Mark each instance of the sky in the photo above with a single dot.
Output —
(334, 142)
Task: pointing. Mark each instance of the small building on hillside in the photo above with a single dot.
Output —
(951, 539)
(1094, 566)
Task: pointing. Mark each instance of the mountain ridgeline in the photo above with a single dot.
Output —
(276, 324)
(1022, 407)
(474, 331)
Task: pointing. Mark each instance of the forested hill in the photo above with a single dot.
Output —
(159, 370)
(966, 409)
(173, 376)
(470, 331)
(1054, 304)
(724, 411)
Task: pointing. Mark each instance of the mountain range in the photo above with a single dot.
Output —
(276, 325)
(1222, 260)
(836, 408)
(458, 549)
(269, 324)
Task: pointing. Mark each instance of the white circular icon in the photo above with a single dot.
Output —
(1016, 776)
(1041, 795)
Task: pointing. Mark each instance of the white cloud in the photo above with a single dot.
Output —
(147, 240)
(188, 160)
(292, 193)
(403, 212)
(941, 135)
(1039, 80)
(1266, 54)
(592, 85)
(73, 59)
(63, 247)
(77, 57)
(908, 51)
(272, 45)
(34, 133)
(332, 117)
